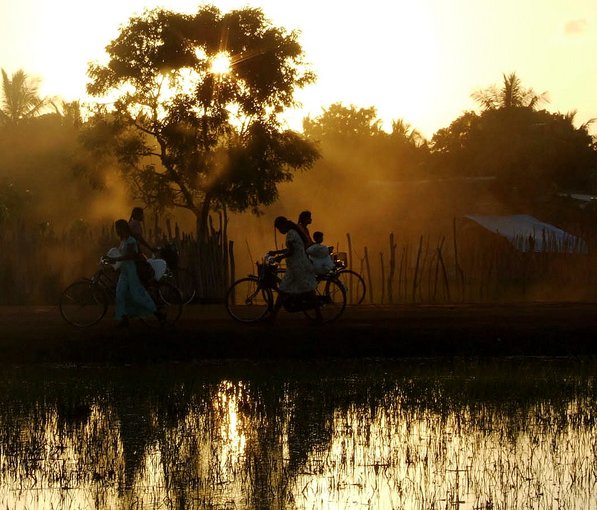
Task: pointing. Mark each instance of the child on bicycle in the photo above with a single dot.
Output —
(320, 255)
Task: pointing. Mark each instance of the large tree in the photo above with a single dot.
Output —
(195, 107)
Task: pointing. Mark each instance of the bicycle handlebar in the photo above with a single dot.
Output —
(269, 259)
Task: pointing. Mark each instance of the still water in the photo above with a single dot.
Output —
(417, 434)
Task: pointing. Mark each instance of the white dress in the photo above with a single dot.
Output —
(299, 276)
(320, 257)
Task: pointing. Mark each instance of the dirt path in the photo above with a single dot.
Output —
(39, 334)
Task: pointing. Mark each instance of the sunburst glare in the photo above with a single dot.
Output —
(221, 63)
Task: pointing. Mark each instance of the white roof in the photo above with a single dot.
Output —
(527, 233)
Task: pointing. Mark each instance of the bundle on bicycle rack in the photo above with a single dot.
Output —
(340, 259)
(266, 273)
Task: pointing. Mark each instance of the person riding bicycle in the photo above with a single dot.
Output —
(319, 254)
(299, 277)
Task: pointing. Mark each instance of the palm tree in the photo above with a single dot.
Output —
(402, 130)
(20, 99)
(511, 95)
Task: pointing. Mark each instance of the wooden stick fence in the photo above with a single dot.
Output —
(420, 270)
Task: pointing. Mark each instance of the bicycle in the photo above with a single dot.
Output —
(85, 302)
(353, 282)
(181, 277)
(251, 299)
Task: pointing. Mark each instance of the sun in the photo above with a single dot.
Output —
(221, 63)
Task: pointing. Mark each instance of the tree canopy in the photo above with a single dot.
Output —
(194, 122)
(511, 94)
(352, 139)
(530, 152)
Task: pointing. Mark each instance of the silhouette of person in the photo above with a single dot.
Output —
(320, 255)
(299, 277)
(132, 299)
(304, 220)
(136, 227)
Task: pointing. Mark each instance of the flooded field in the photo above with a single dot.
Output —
(417, 434)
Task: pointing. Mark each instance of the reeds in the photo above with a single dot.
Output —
(483, 435)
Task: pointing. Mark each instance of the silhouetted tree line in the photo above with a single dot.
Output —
(527, 155)
(193, 124)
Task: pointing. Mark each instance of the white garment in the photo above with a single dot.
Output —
(159, 265)
(299, 276)
(320, 257)
(114, 253)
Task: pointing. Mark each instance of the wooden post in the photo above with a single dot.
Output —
(369, 285)
(156, 227)
(415, 277)
(383, 278)
(402, 271)
(458, 270)
(349, 257)
(444, 272)
(436, 272)
(253, 261)
(232, 265)
(391, 269)
(349, 262)
(169, 228)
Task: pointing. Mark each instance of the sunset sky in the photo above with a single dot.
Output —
(418, 60)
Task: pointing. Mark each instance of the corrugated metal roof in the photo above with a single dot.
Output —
(527, 234)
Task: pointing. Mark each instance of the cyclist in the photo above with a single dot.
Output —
(299, 277)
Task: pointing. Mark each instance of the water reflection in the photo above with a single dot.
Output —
(470, 435)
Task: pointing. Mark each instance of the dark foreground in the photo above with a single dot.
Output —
(39, 334)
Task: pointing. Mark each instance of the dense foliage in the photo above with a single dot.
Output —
(195, 120)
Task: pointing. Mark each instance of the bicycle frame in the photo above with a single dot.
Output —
(257, 300)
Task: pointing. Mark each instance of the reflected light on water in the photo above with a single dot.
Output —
(291, 443)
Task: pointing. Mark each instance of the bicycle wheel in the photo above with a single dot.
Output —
(332, 297)
(246, 301)
(168, 300)
(83, 304)
(185, 281)
(354, 285)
